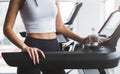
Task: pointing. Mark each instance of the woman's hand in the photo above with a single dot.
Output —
(34, 53)
(92, 39)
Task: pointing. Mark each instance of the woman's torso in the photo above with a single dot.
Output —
(39, 19)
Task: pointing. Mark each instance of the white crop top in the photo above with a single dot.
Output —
(39, 16)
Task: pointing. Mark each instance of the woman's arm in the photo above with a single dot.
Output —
(12, 12)
(61, 28)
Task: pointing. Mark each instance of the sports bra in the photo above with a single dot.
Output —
(39, 16)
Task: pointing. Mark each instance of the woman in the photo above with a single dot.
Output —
(42, 20)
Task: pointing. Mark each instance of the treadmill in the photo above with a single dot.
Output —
(101, 57)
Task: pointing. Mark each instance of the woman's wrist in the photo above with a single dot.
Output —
(81, 40)
(24, 47)
(84, 40)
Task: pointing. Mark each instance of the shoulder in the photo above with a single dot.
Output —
(17, 3)
(56, 1)
(22, 2)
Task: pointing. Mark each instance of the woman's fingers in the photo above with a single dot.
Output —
(100, 41)
(92, 39)
(29, 53)
(37, 56)
(33, 55)
(42, 53)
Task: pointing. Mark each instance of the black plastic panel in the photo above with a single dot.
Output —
(80, 59)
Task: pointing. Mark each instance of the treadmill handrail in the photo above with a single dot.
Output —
(66, 60)
(75, 12)
(107, 20)
(113, 39)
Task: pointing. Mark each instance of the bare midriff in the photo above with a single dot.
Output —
(51, 35)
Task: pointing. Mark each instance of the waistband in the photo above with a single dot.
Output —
(31, 38)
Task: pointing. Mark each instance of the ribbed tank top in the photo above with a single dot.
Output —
(39, 16)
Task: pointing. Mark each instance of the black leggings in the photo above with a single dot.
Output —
(45, 45)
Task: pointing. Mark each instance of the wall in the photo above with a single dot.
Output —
(117, 3)
(88, 17)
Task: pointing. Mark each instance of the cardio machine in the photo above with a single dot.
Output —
(100, 57)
